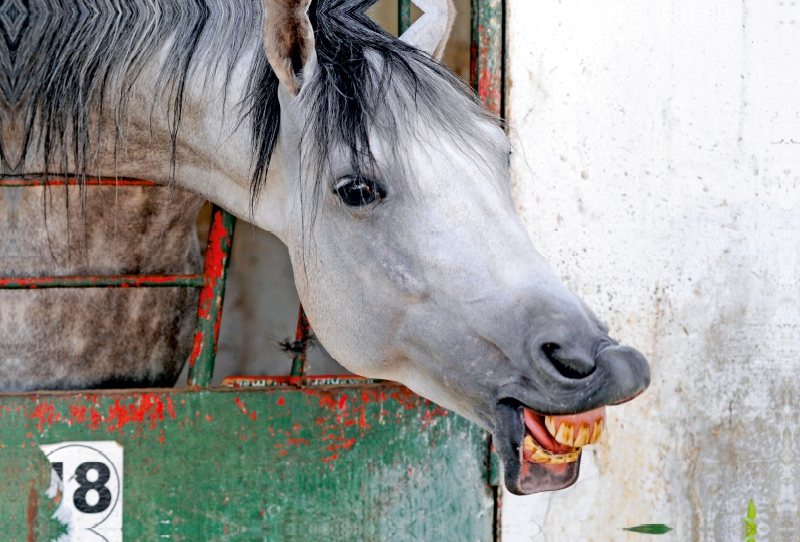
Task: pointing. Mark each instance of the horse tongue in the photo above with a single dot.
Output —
(535, 425)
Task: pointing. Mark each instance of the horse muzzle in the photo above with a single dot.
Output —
(539, 436)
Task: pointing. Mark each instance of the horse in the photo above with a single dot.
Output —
(376, 166)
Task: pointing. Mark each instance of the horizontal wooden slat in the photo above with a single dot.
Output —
(119, 281)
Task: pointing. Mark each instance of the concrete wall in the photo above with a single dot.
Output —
(658, 154)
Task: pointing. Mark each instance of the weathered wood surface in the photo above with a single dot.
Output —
(368, 462)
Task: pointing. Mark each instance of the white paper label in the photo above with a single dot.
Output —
(88, 478)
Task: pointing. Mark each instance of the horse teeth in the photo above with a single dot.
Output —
(537, 454)
(547, 458)
(528, 444)
(582, 438)
(550, 423)
(566, 434)
(573, 456)
(597, 432)
(541, 456)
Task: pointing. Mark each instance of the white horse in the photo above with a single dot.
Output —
(375, 165)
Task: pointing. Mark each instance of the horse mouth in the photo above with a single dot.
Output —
(541, 452)
(554, 440)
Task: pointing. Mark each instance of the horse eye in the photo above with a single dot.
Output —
(357, 191)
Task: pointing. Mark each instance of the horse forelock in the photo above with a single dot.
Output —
(369, 86)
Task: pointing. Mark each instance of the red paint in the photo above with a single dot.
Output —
(253, 416)
(240, 404)
(94, 419)
(45, 413)
(331, 458)
(362, 419)
(281, 401)
(197, 347)
(145, 411)
(33, 508)
(148, 408)
(210, 303)
(77, 413)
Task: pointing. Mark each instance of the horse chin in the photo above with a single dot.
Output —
(521, 476)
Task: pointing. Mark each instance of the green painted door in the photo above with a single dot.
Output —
(356, 462)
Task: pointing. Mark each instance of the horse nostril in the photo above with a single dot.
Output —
(568, 366)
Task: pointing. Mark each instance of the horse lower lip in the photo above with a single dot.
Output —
(522, 475)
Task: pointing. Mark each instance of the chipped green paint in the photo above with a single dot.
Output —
(403, 16)
(486, 59)
(209, 311)
(370, 462)
(118, 281)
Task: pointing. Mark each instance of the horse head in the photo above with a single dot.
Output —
(409, 257)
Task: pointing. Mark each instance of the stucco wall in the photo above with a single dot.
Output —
(658, 152)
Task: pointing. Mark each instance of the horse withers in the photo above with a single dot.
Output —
(372, 162)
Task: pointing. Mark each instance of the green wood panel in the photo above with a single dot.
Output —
(369, 462)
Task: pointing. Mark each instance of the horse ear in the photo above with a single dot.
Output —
(431, 31)
(288, 40)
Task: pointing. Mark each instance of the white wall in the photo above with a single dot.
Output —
(659, 153)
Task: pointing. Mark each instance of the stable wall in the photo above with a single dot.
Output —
(656, 167)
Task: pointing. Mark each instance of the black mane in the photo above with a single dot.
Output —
(63, 62)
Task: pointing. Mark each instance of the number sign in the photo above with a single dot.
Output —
(87, 481)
